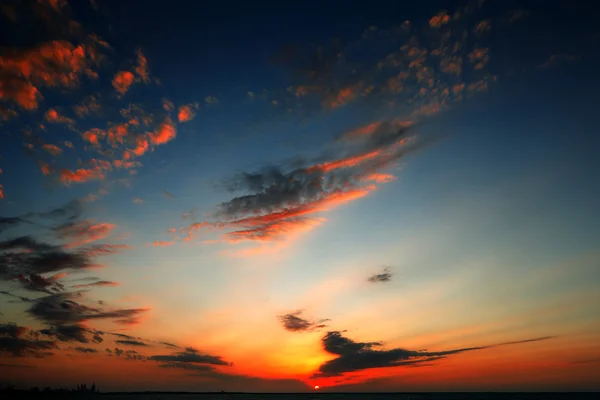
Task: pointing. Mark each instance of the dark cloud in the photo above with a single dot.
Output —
(131, 343)
(20, 298)
(26, 243)
(168, 345)
(38, 283)
(539, 339)
(60, 309)
(68, 333)
(97, 337)
(134, 355)
(122, 335)
(294, 322)
(69, 211)
(20, 341)
(23, 347)
(8, 222)
(29, 258)
(355, 356)
(85, 350)
(12, 330)
(189, 367)
(385, 276)
(189, 356)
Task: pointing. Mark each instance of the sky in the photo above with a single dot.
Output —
(394, 196)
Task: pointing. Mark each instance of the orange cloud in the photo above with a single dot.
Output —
(165, 133)
(7, 113)
(371, 128)
(45, 169)
(141, 146)
(85, 232)
(54, 117)
(97, 284)
(126, 164)
(478, 86)
(1, 191)
(122, 81)
(168, 105)
(345, 162)
(52, 149)
(186, 113)
(451, 65)
(141, 69)
(162, 243)
(379, 177)
(483, 27)
(458, 88)
(117, 134)
(52, 64)
(274, 230)
(480, 57)
(440, 19)
(81, 175)
(344, 96)
(363, 130)
(88, 106)
(302, 91)
(327, 202)
(275, 225)
(93, 135)
(22, 93)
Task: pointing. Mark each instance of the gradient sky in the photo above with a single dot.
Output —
(396, 196)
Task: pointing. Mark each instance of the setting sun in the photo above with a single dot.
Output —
(317, 387)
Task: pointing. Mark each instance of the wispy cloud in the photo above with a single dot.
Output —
(355, 356)
(294, 322)
(190, 356)
(162, 243)
(384, 276)
(96, 284)
(557, 59)
(83, 232)
(135, 343)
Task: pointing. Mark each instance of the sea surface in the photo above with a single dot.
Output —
(351, 396)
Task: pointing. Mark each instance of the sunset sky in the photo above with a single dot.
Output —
(395, 196)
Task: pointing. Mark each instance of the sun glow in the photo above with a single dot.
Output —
(317, 387)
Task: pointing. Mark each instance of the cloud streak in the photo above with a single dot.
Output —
(356, 356)
(384, 276)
